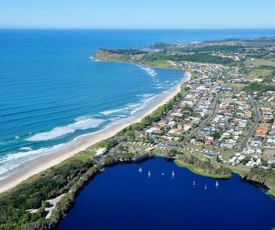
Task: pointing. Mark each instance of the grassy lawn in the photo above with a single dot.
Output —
(202, 148)
(159, 64)
(235, 86)
(259, 62)
(260, 72)
(85, 155)
(238, 169)
(200, 172)
(271, 193)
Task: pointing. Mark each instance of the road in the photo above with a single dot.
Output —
(252, 128)
(206, 120)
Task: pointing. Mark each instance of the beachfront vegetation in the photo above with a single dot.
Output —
(65, 178)
(153, 117)
(16, 205)
(158, 57)
(125, 52)
(198, 57)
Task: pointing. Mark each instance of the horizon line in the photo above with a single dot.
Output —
(136, 28)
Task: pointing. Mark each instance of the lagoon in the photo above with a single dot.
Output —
(121, 197)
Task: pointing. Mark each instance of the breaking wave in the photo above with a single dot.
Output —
(81, 123)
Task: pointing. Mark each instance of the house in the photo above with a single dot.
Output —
(101, 151)
(248, 113)
(162, 123)
(261, 131)
(175, 132)
(171, 117)
(155, 129)
(186, 127)
(208, 142)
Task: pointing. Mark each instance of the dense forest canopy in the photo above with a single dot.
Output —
(198, 57)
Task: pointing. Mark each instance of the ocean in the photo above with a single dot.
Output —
(51, 92)
(121, 197)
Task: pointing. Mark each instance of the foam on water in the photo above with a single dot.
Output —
(149, 70)
(139, 106)
(108, 112)
(26, 148)
(13, 160)
(146, 95)
(81, 123)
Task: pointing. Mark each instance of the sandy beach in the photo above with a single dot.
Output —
(40, 164)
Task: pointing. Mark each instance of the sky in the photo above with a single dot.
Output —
(137, 14)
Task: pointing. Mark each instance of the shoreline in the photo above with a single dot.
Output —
(33, 167)
(197, 171)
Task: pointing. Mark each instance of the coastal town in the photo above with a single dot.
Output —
(215, 118)
(137, 115)
(220, 121)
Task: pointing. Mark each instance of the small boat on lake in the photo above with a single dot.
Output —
(205, 187)
(217, 184)
(149, 173)
(173, 174)
(140, 170)
(194, 183)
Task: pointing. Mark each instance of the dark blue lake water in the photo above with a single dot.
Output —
(122, 198)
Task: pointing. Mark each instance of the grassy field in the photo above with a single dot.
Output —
(258, 72)
(235, 86)
(200, 172)
(159, 64)
(85, 155)
(271, 193)
(259, 62)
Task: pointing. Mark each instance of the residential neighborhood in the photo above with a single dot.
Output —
(213, 120)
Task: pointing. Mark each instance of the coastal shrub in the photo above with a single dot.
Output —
(15, 204)
(197, 57)
(254, 87)
(125, 51)
(205, 166)
(265, 177)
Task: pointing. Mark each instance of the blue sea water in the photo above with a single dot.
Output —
(51, 92)
(122, 198)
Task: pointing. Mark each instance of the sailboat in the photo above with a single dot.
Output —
(149, 173)
(217, 184)
(205, 187)
(173, 173)
(140, 170)
(194, 183)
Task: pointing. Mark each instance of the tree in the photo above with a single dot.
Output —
(171, 153)
(216, 135)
